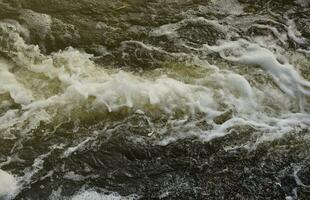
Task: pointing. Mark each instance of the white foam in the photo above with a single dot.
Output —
(284, 74)
(90, 194)
(68, 84)
(228, 7)
(78, 80)
(171, 30)
(297, 179)
(9, 84)
(8, 185)
(36, 167)
(281, 36)
(293, 33)
(71, 150)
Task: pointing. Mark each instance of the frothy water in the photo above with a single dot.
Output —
(112, 113)
(8, 185)
(92, 194)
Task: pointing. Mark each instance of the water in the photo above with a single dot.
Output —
(154, 100)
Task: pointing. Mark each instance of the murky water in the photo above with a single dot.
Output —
(135, 99)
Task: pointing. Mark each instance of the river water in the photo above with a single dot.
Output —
(136, 99)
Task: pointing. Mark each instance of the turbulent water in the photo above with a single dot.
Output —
(136, 99)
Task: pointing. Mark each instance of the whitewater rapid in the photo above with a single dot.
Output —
(208, 92)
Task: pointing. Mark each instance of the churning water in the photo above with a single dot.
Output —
(136, 99)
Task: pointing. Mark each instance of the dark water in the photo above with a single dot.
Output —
(181, 99)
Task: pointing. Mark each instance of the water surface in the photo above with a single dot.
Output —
(135, 99)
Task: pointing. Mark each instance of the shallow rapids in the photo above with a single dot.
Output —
(154, 100)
